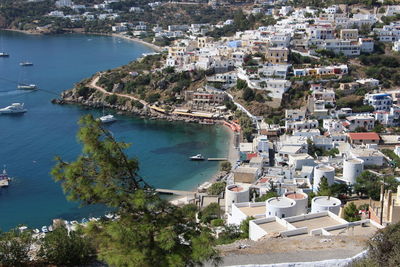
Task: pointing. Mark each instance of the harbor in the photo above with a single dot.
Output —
(31, 141)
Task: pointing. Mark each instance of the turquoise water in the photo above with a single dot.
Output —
(28, 143)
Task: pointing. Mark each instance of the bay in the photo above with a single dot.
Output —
(29, 142)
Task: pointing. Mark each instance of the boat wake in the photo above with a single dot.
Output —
(12, 93)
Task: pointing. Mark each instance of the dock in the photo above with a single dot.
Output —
(217, 159)
(174, 192)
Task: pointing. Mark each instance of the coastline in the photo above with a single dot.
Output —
(232, 153)
(133, 39)
(232, 156)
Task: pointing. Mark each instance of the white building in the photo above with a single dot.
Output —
(380, 101)
(325, 203)
(363, 121)
(281, 207)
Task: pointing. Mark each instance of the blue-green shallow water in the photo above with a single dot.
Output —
(28, 143)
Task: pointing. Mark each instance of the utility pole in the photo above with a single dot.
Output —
(382, 200)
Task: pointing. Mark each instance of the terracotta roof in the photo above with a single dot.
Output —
(364, 136)
(249, 156)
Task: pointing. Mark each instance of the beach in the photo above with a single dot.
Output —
(233, 157)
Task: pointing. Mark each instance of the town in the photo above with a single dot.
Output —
(311, 96)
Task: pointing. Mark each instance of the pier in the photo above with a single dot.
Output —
(217, 159)
(174, 192)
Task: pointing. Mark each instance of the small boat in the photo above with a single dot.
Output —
(107, 118)
(44, 229)
(109, 216)
(36, 231)
(197, 157)
(13, 109)
(24, 86)
(50, 228)
(4, 179)
(26, 64)
(3, 54)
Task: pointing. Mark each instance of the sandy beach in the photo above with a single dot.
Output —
(233, 157)
(137, 40)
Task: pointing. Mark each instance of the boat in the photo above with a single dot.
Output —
(197, 157)
(3, 54)
(24, 86)
(4, 179)
(15, 108)
(107, 118)
(26, 64)
(44, 229)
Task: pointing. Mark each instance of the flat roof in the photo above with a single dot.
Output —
(367, 229)
(281, 202)
(235, 188)
(294, 195)
(272, 227)
(252, 211)
(315, 223)
(324, 167)
(326, 201)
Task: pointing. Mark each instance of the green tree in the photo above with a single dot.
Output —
(268, 195)
(383, 248)
(323, 187)
(216, 188)
(241, 84)
(226, 166)
(248, 94)
(350, 213)
(212, 211)
(150, 231)
(14, 247)
(61, 247)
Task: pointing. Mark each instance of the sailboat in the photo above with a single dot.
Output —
(4, 179)
(22, 85)
(2, 53)
(107, 118)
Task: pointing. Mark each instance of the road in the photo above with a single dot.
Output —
(93, 84)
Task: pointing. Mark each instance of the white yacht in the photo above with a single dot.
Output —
(24, 86)
(44, 229)
(3, 54)
(107, 118)
(13, 109)
(26, 64)
(197, 157)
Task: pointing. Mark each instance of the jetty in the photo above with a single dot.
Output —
(174, 192)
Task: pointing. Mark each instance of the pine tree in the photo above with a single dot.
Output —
(150, 231)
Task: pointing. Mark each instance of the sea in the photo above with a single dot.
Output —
(30, 142)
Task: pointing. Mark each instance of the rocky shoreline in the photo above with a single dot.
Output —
(97, 100)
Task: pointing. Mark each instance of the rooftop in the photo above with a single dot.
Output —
(253, 211)
(315, 223)
(364, 136)
(281, 202)
(326, 201)
(294, 195)
(235, 188)
(272, 227)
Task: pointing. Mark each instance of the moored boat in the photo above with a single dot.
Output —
(197, 157)
(24, 86)
(4, 179)
(26, 64)
(107, 118)
(3, 54)
(15, 108)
